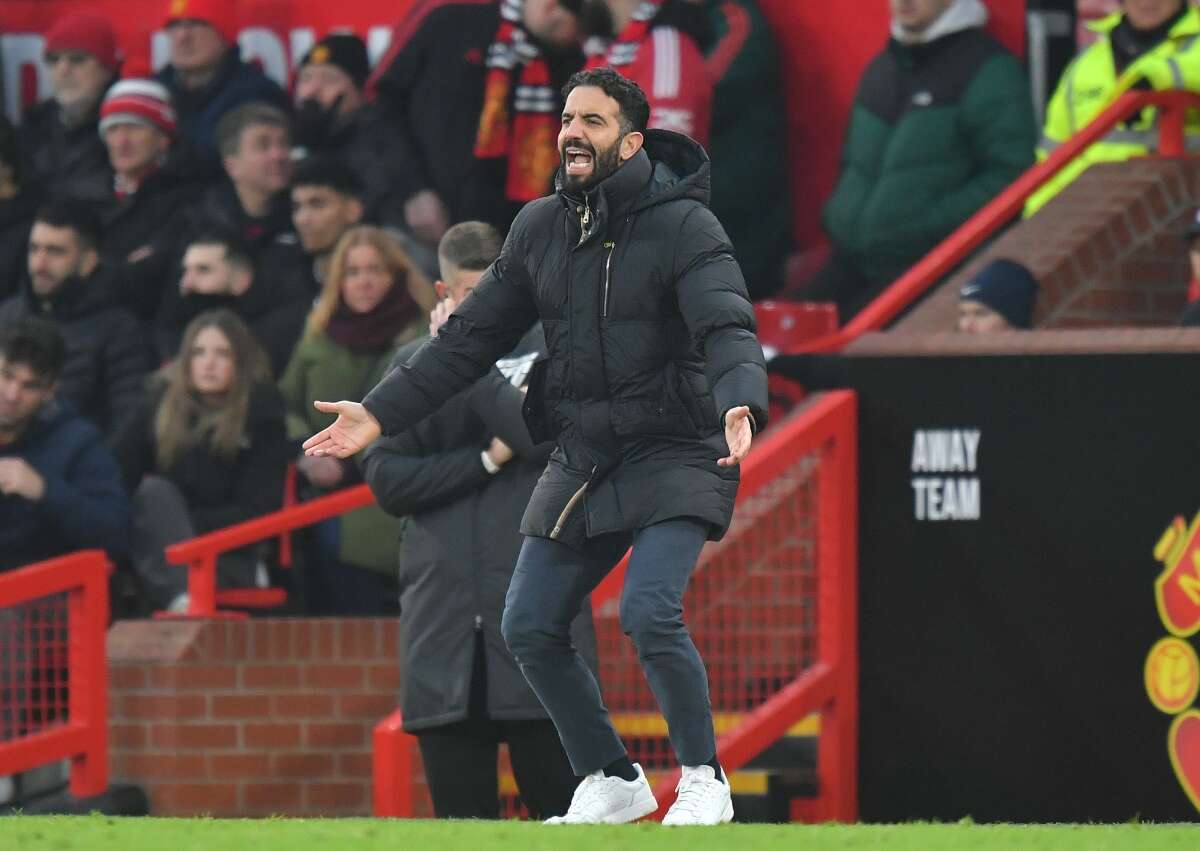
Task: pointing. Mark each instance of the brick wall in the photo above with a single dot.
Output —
(1107, 250)
(246, 718)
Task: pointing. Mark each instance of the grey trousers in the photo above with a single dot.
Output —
(160, 518)
(548, 587)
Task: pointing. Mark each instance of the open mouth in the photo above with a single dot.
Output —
(577, 160)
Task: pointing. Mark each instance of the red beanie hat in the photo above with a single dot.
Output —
(221, 15)
(89, 32)
(138, 102)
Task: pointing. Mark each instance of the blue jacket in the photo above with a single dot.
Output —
(197, 112)
(85, 505)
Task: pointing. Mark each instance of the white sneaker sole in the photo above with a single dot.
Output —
(726, 816)
(640, 808)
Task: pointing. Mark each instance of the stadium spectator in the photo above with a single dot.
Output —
(253, 199)
(942, 122)
(60, 143)
(107, 356)
(1191, 314)
(1001, 297)
(60, 489)
(155, 181)
(751, 195)
(18, 203)
(334, 120)
(465, 475)
(1147, 44)
(219, 271)
(205, 449)
(206, 75)
(475, 88)
(659, 44)
(326, 202)
(366, 310)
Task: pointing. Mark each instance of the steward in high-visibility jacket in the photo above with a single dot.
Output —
(1120, 60)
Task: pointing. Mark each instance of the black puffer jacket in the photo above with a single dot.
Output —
(650, 336)
(66, 160)
(460, 546)
(107, 351)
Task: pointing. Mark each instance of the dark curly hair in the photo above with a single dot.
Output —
(635, 109)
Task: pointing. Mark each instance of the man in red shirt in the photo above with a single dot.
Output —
(659, 45)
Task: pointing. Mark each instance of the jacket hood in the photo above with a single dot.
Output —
(670, 166)
(960, 15)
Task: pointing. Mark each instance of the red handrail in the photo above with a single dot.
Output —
(984, 224)
(200, 553)
(83, 737)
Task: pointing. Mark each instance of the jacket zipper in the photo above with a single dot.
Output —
(571, 503)
(607, 275)
(585, 219)
(478, 623)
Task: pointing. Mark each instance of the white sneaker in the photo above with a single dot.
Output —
(609, 800)
(179, 605)
(700, 798)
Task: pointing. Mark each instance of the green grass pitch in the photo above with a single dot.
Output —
(101, 833)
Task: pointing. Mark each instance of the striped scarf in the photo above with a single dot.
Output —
(529, 138)
(623, 50)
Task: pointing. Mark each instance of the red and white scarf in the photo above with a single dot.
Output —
(519, 75)
(623, 50)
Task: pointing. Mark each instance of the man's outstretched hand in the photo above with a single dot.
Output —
(352, 431)
(738, 435)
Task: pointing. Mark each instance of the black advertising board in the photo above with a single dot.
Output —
(1010, 509)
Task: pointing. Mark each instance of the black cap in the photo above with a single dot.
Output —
(344, 50)
(1006, 287)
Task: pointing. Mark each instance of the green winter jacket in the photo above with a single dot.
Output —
(937, 130)
(322, 369)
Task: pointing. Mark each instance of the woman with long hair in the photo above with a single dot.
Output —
(208, 449)
(370, 304)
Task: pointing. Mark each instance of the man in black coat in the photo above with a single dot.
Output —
(107, 351)
(219, 271)
(653, 388)
(463, 477)
(63, 151)
(155, 179)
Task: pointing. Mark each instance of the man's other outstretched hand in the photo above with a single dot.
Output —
(738, 434)
(353, 430)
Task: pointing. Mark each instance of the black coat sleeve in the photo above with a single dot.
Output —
(399, 72)
(716, 307)
(417, 471)
(133, 445)
(498, 404)
(485, 327)
(126, 365)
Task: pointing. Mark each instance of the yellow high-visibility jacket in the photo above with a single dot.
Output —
(1091, 83)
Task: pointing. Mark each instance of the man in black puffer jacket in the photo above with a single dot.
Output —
(107, 350)
(652, 355)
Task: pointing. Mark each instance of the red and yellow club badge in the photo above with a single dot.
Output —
(1172, 669)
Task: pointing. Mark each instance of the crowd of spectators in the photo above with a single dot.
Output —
(171, 230)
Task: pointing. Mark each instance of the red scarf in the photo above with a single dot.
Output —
(365, 333)
(623, 50)
(529, 139)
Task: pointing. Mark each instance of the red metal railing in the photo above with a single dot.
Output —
(200, 554)
(1173, 108)
(53, 669)
(773, 608)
